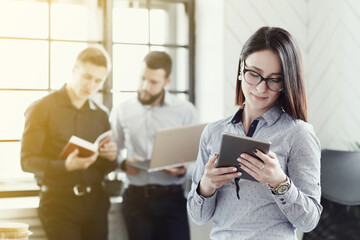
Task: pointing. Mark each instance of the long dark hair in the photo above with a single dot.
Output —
(292, 98)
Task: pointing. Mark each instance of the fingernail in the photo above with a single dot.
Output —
(234, 169)
(239, 159)
(242, 155)
(239, 173)
(215, 153)
(255, 151)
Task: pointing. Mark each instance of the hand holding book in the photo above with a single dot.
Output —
(109, 151)
(84, 147)
(74, 162)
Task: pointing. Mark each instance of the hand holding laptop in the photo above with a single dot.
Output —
(177, 171)
(168, 151)
(132, 170)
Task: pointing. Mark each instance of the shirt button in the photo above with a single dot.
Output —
(281, 199)
(199, 201)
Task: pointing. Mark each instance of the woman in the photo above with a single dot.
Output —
(286, 196)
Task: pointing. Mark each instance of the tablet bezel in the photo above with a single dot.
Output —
(233, 145)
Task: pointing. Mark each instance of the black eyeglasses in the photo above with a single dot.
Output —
(254, 78)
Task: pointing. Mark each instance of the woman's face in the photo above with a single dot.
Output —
(267, 64)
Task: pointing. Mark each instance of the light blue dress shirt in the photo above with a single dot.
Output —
(259, 214)
(135, 125)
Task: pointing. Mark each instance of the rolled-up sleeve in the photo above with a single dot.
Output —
(301, 204)
(118, 132)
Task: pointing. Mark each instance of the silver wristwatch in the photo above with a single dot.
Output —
(282, 188)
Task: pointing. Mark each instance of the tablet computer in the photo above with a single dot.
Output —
(233, 145)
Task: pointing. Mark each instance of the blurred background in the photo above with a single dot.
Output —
(39, 40)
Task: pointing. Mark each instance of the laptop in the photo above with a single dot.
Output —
(172, 148)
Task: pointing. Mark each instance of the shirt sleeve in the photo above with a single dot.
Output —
(33, 143)
(104, 165)
(118, 131)
(191, 116)
(200, 209)
(190, 167)
(301, 204)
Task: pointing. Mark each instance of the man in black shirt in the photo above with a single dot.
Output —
(73, 204)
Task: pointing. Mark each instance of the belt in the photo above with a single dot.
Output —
(155, 189)
(77, 190)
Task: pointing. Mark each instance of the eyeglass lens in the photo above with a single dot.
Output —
(254, 78)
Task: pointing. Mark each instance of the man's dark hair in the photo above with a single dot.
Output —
(159, 60)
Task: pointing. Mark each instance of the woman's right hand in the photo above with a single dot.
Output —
(214, 177)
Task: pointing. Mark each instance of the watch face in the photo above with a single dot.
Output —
(283, 189)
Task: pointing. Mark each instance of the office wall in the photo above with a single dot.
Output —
(209, 59)
(327, 33)
(333, 47)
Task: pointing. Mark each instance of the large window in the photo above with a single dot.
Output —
(39, 40)
(141, 26)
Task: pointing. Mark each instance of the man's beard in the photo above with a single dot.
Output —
(151, 99)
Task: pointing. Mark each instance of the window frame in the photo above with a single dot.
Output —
(107, 92)
(29, 188)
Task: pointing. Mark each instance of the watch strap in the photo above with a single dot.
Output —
(286, 184)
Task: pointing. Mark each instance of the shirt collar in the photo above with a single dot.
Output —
(63, 99)
(237, 116)
(273, 114)
(167, 98)
(92, 104)
(270, 117)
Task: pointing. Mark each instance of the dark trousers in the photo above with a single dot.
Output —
(156, 212)
(70, 217)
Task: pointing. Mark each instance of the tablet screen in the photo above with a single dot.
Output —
(233, 145)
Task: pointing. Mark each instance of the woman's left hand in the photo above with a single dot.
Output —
(268, 171)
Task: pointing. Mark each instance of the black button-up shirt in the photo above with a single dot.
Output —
(49, 124)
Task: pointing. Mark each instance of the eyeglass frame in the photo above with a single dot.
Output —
(261, 79)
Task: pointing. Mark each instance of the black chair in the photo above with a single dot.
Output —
(340, 186)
